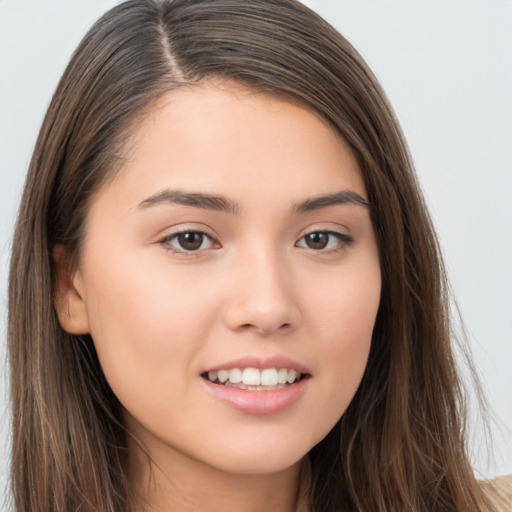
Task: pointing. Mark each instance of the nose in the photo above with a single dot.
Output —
(263, 299)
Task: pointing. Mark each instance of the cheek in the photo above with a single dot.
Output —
(146, 328)
(344, 325)
(345, 305)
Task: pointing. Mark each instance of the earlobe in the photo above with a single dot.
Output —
(69, 297)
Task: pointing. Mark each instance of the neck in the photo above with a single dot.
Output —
(179, 483)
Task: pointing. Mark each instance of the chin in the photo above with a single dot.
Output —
(261, 458)
(247, 464)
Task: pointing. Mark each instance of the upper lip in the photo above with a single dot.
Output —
(260, 363)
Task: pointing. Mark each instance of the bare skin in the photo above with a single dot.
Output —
(174, 489)
(237, 235)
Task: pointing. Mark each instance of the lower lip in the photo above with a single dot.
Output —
(258, 402)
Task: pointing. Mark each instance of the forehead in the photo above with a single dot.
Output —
(223, 138)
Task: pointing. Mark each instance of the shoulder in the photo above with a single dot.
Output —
(499, 491)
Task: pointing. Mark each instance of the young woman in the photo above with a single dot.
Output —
(226, 292)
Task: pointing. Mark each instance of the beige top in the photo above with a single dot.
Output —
(500, 492)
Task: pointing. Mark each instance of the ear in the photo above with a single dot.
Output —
(69, 295)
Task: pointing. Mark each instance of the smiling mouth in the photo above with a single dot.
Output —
(254, 379)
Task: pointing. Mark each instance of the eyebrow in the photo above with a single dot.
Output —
(195, 199)
(342, 197)
(223, 204)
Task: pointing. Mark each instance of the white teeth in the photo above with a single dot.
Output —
(269, 377)
(292, 375)
(235, 376)
(255, 379)
(222, 375)
(282, 376)
(251, 377)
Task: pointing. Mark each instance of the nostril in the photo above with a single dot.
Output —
(265, 328)
(245, 316)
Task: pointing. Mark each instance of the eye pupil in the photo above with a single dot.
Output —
(317, 240)
(190, 240)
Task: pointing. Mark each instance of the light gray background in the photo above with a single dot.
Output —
(447, 67)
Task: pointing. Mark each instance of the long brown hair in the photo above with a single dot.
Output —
(400, 445)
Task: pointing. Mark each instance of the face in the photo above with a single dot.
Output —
(235, 243)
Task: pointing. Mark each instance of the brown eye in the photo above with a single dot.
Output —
(188, 241)
(317, 240)
(325, 241)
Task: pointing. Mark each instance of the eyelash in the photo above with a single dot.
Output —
(343, 239)
(166, 241)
